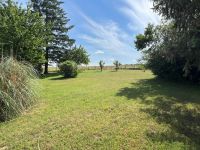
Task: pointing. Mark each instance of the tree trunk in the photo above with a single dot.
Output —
(47, 61)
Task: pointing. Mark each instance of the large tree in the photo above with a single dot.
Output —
(158, 44)
(78, 55)
(22, 32)
(54, 14)
(185, 14)
(173, 49)
(164, 50)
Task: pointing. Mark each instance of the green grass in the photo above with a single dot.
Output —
(108, 110)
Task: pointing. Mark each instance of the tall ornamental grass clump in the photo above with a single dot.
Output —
(18, 89)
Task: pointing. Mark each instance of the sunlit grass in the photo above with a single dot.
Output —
(108, 110)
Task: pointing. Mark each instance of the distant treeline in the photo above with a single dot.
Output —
(122, 67)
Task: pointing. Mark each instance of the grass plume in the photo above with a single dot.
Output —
(17, 88)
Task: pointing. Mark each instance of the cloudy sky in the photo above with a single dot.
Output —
(107, 28)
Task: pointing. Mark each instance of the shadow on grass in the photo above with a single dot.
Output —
(54, 76)
(60, 78)
(50, 75)
(175, 104)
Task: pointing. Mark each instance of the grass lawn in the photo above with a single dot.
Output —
(108, 110)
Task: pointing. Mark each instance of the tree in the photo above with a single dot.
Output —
(78, 55)
(23, 32)
(145, 40)
(185, 16)
(54, 14)
(185, 13)
(164, 53)
(117, 65)
(101, 64)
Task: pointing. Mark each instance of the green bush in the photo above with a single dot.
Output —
(18, 89)
(69, 69)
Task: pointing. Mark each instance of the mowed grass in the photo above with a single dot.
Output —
(108, 110)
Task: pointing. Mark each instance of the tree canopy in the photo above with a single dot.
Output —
(78, 55)
(22, 32)
(185, 13)
(172, 49)
(38, 33)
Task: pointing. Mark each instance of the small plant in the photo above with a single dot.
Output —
(117, 65)
(69, 69)
(18, 89)
(101, 64)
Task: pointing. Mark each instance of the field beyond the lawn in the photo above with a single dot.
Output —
(108, 110)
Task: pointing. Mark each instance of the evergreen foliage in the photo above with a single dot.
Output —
(54, 14)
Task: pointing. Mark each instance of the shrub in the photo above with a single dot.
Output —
(17, 88)
(69, 69)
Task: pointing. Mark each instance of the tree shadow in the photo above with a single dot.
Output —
(59, 78)
(175, 104)
(53, 76)
(50, 75)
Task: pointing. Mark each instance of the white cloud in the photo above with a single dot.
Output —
(140, 13)
(108, 37)
(99, 52)
(105, 35)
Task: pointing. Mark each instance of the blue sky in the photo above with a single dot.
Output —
(107, 28)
